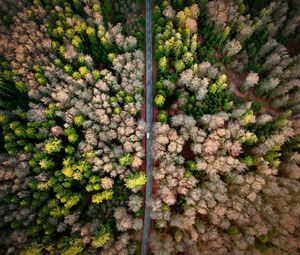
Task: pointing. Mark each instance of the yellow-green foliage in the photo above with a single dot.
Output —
(76, 41)
(126, 159)
(78, 120)
(53, 145)
(71, 134)
(94, 183)
(159, 100)
(90, 31)
(72, 200)
(21, 86)
(220, 84)
(77, 170)
(136, 180)
(248, 117)
(101, 239)
(3, 119)
(50, 112)
(73, 250)
(83, 70)
(76, 247)
(34, 249)
(249, 138)
(100, 197)
(46, 163)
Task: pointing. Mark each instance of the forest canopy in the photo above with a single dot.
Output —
(226, 129)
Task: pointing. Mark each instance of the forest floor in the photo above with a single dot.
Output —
(236, 80)
(293, 47)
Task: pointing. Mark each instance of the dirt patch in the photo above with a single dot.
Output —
(187, 152)
(236, 81)
(200, 39)
(217, 55)
(173, 110)
(293, 47)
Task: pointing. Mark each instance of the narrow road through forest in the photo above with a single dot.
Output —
(149, 121)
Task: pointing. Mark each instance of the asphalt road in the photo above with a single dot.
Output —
(149, 123)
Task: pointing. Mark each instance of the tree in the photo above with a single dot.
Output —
(107, 10)
(135, 180)
(126, 159)
(159, 101)
(251, 80)
(163, 65)
(162, 116)
(179, 66)
(53, 145)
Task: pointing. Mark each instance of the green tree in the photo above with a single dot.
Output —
(163, 65)
(126, 159)
(179, 66)
(53, 145)
(107, 10)
(159, 101)
(162, 116)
